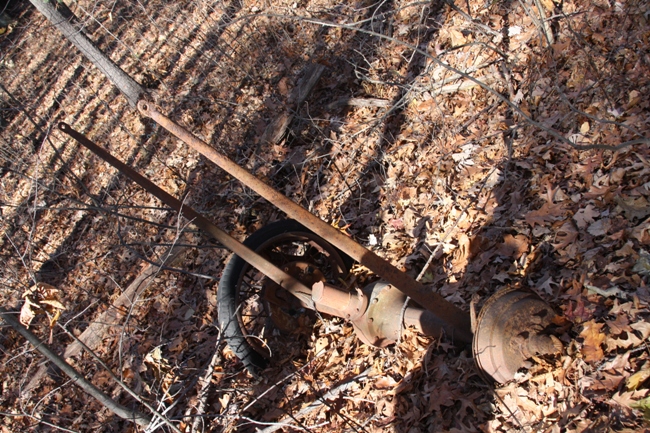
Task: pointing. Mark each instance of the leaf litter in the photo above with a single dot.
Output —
(461, 179)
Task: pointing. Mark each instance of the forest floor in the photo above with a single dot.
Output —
(529, 169)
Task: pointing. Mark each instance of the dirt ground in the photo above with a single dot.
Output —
(477, 146)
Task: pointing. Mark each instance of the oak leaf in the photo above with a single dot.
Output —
(586, 216)
(548, 212)
(513, 246)
(638, 208)
(593, 339)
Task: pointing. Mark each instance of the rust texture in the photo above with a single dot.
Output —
(326, 299)
(511, 328)
(276, 274)
(456, 323)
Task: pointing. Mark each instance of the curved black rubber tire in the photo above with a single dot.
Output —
(228, 286)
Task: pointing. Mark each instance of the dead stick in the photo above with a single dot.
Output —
(275, 131)
(119, 410)
(119, 382)
(330, 395)
(205, 384)
(94, 334)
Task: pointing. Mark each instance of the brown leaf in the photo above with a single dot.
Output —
(385, 382)
(600, 227)
(619, 325)
(608, 382)
(633, 207)
(628, 398)
(642, 327)
(548, 212)
(513, 246)
(620, 363)
(586, 216)
(461, 255)
(593, 339)
(441, 396)
(627, 340)
(566, 235)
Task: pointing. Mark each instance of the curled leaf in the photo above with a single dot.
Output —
(41, 298)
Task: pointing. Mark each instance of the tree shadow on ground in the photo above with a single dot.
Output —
(303, 168)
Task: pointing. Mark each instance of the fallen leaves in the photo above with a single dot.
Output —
(634, 207)
(41, 298)
(547, 213)
(456, 177)
(593, 339)
(513, 246)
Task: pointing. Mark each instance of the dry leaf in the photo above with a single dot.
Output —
(636, 380)
(28, 311)
(619, 325)
(321, 344)
(642, 327)
(385, 382)
(638, 208)
(41, 298)
(600, 227)
(548, 212)
(628, 398)
(593, 339)
(513, 246)
(457, 38)
(586, 216)
(642, 265)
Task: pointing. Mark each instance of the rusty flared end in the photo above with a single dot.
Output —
(144, 107)
(509, 330)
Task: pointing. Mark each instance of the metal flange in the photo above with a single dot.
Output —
(509, 330)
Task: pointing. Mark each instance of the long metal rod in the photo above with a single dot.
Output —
(286, 281)
(457, 321)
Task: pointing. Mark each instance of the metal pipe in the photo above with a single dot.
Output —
(341, 303)
(424, 321)
(286, 281)
(456, 322)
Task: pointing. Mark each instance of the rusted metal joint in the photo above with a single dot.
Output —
(337, 302)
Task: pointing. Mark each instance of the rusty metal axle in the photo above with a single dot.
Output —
(324, 298)
(454, 321)
(511, 326)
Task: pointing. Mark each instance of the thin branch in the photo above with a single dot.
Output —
(556, 134)
(205, 382)
(40, 420)
(330, 395)
(471, 20)
(119, 381)
(119, 410)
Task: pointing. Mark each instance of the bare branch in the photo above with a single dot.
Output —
(119, 410)
(556, 134)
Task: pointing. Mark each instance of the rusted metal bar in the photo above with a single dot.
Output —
(456, 322)
(276, 274)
